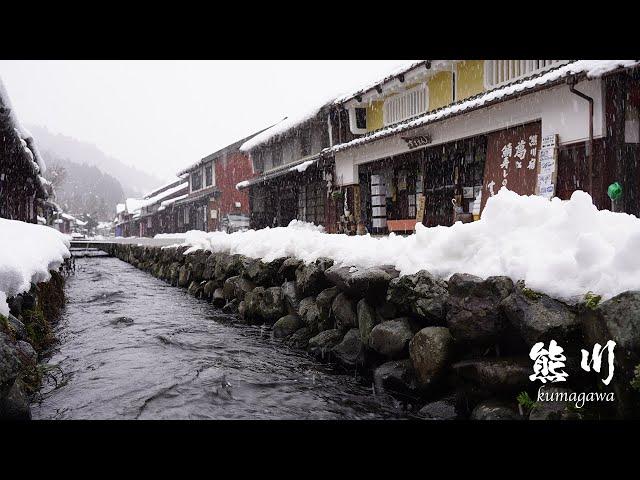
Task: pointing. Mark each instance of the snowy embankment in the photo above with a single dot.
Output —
(562, 248)
(27, 253)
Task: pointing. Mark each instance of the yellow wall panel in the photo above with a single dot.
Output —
(440, 90)
(374, 115)
(469, 78)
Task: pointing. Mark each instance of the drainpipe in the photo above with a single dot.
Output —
(330, 129)
(572, 89)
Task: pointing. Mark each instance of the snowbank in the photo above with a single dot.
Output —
(27, 253)
(562, 248)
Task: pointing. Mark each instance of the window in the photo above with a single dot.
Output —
(406, 105)
(499, 72)
(196, 180)
(631, 123)
(186, 215)
(208, 175)
(361, 118)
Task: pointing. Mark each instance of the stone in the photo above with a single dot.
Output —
(286, 326)
(242, 308)
(265, 274)
(229, 266)
(197, 262)
(322, 344)
(540, 319)
(431, 350)
(300, 339)
(508, 375)
(15, 305)
(237, 287)
(184, 276)
(209, 287)
(16, 328)
(474, 316)
(350, 351)
(495, 410)
(291, 296)
(617, 319)
(218, 297)
(231, 306)
(358, 282)
(421, 295)
(367, 319)
(387, 311)
(309, 313)
(288, 268)
(444, 409)
(9, 361)
(264, 304)
(26, 353)
(15, 404)
(195, 289)
(391, 338)
(395, 377)
(310, 278)
(209, 267)
(324, 302)
(344, 311)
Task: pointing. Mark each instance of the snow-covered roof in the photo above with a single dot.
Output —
(171, 201)
(165, 194)
(166, 186)
(28, 142)
(284, 126)
(403, 68)
(592, 69)
(121, 207)
(133, 205)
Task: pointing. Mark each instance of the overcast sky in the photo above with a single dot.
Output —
(164, 115)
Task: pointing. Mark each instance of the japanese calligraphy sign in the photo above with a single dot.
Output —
(512, 161)
(547, 172)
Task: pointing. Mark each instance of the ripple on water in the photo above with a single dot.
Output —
(175, 356)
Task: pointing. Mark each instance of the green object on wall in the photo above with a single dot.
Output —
(614, 191)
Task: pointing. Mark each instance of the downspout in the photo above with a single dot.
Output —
(330, 129)
(572, 89)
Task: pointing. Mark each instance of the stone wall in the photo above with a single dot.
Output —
(456, 349)
(24, 336)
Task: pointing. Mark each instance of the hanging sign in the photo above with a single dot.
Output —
(547, 168)
(418, 141)
(512, 161)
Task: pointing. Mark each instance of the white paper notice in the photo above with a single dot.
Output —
(544, 180)
(547, 166)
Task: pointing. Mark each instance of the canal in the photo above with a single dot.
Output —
(132, 347)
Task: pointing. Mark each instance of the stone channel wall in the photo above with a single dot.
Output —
(456, 349)
(24, 336)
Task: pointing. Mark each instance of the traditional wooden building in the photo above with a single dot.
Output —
(433, 141)
(213, 202)
(294, 181)
(156, 212)
(23, 190)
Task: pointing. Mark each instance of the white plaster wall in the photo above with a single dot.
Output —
(561, 112)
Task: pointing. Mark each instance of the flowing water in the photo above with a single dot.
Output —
(133, 347)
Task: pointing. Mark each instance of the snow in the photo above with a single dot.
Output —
(302, 167)
(167, 193)
(171, 201)
(153, 192)
(27, 253)
(121, 207)
(592, 68)
(562, 248)
(133, 205)
(242, 184)
(402, 68)
(22, 132)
